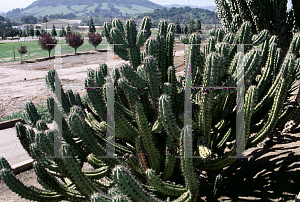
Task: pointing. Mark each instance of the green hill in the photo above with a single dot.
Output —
(182, 13)
(105, 8)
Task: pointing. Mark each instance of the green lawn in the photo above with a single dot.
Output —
(42, 110)
(35, 51)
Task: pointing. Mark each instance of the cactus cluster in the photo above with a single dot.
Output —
(149, 118)
(271, 15)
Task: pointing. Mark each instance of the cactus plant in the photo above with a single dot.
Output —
(149, 127)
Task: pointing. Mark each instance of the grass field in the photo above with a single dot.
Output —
(42, 110)
(9, 50)
(34, 50)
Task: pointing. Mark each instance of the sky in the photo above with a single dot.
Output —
(7, 5)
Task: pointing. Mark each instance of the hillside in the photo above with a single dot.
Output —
(186, 13)
(211, 8)
(105, 8)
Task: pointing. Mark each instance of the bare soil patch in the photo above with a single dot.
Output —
(20, 83)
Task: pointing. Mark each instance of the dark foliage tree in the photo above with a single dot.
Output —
(10, 32)
(29, 19)
(74, 40)
(62, 32)
(20, 33)
(177, 27)
(95, 39)
(68, 29)
(47, 42)
(206, 16)
(191, 28)
(31, 31)
(44, 19)
(24, 33)
(37, 32)
(198, 26)
(92, 26)
(22, 50)
(185, 28)
(53, 31)
(27, 30)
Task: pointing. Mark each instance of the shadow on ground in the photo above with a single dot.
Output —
(268, 175)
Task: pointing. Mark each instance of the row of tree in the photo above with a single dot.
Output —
(183, 13)
(29, 31)
(62, 32)
(75, 40)
(188, 29)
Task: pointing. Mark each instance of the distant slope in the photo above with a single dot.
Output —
(186, 13)
(69, 3)
(211, 8)
(103, 8)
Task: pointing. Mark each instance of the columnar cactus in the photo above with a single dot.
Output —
(149, 116)
(262, 14)
(131, 39)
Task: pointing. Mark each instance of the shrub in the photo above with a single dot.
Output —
(62, 32)
(74, 40)
(22, 50)
(53, 31)
(31, 31)
(37, 31)
(45, 40)
(92, 26)
(68, 29)
(95, 39)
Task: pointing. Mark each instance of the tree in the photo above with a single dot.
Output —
(27, 30)
(68, 29)
(20, 33)
(43, 31)
(92, 26)
(198, 26)
(31, 31)
(184, 27)
(10, 32)
(45, 40)
(74, 40)
(22, 51)
(191, 28)
(29, 19)
(53, 32)
(37, 31)
(95, 39)
(177, 27)
(44, 19)
(62, 32)
(24, 33)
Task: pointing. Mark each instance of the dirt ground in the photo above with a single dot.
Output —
(257, 178)
(17, 87)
